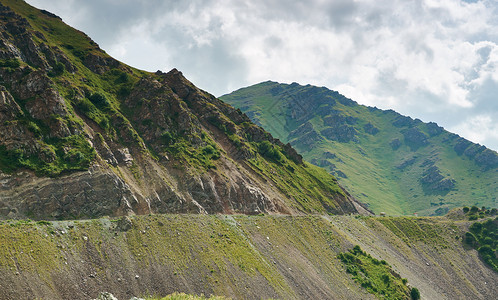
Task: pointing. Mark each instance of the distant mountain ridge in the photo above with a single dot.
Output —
(392, 162)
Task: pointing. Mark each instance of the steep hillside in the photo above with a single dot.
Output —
(242, 257)
(84, 135)
(392, 162)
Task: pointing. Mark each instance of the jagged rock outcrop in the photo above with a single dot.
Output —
(415, 138)
(305, 136)
(434, 181)
(433, 129)
(340, 133)
(371, 129)
(407, 163)
(484, 157)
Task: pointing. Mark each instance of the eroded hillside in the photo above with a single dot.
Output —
(243, 257)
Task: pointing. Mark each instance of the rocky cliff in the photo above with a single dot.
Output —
(84, 135)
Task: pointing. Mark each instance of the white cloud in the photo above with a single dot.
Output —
(432, 59)
(480, 129)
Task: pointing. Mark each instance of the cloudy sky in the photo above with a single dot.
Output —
(436, 60)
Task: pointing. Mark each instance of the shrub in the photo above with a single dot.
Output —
(99, 100)
(483, 238)
(268, 150)
(122, 78)
(470, 239)
(474, 209)
(466, 210)
(415, 294)
(211, 151)
(486, 250)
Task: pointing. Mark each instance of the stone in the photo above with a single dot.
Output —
(124, 224)
(106, 296)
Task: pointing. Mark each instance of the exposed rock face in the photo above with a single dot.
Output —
(433, 129)
(435, 181)
(308, 140)
(484, 157)
(395, 144)
(407, 163)
(323, 163)
(403, 121)
(370, 129)
(79, 195)
(341, 133)
(415, 138)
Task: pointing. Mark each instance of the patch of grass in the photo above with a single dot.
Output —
(198, 157)
(411, 229)
(56, 156)
(377, 277)
(312, 188)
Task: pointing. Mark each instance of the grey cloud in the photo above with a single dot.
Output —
(341, 13)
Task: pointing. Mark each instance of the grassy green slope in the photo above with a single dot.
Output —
(241, 257)
(366, 164)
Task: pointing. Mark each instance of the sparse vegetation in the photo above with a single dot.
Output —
(55, 157)
(375, 276)
(475, 213)
(483, 236)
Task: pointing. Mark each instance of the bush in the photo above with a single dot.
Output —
(483, 238)
(474, 209)
(486, 250)
(466, 210)
(268, 150)
(415, 294)
(99, 100)
(470, 239)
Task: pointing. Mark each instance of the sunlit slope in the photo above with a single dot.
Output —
(395, 164)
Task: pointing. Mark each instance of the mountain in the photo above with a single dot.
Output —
(392, 162)
(83, 135)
